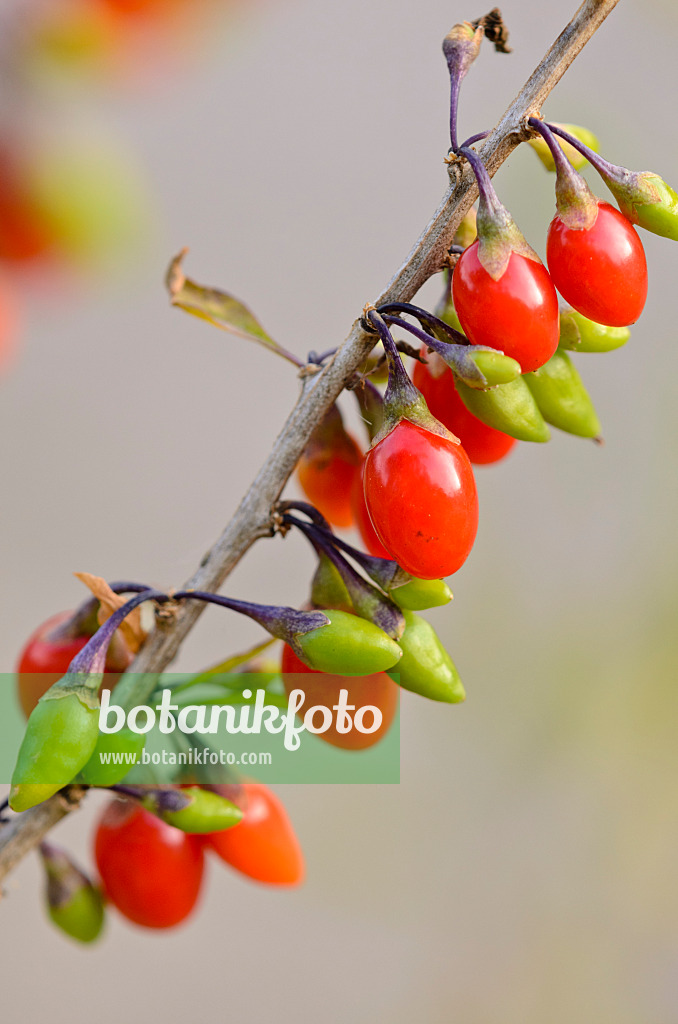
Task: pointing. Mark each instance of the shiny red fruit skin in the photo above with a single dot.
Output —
(362, 519)
(263, 845)
(482, 444)
(422, 499)
(150, 871)
(45, 658)
(518, 314)
(602, 271)
(23, 234)
(322, 688)
(326, 478)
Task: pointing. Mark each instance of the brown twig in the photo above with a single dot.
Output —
(252, 520)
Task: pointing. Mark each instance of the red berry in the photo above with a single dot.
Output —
(328, 467)
(263, 845)
(421, 495)
(48, 653)
(150, 871)
(24, 235)
(518, 314)
(602, 271)
(362, 517)
(481, 443)
(378, 690)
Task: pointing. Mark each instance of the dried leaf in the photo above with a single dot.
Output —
(109, 602)
(215, 306)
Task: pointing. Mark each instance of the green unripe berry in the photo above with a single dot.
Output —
(205, 812)
(466, 233)
(420, 594)
(509, 408)
(74, 904)
(82, 917)
(579, 334)
(448, 314)
(425, 667)
(125, 745)
(60, 737)
(562, 398)
(348, 646)
(495, 367)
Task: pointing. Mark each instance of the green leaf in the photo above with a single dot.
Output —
(217, 307)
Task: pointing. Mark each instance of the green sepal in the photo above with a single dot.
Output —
(562, 398)
(84, 685)
(649, 202)
(124, 742)
(417, 595)
(579, 334)
(60, 737)
(509, 408)
(348, 646)
(425, 667)
(498, 238)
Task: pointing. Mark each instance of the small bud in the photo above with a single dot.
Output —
(579, 334)
(73, 903)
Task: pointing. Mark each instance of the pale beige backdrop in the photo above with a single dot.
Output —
(524, 870)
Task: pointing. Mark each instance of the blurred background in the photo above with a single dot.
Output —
(524, 869)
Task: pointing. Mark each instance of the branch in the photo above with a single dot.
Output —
(24, 832)
(252, 520)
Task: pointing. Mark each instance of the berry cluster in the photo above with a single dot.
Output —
(500, 332)
(491, 367)
(150, 859)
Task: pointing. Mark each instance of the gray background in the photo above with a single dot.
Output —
(524, 870)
